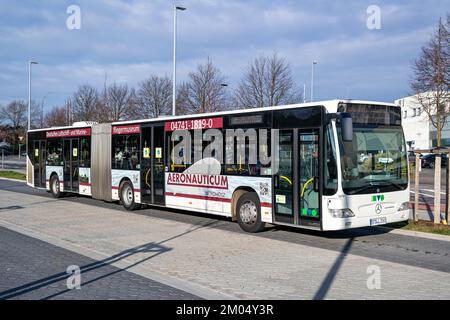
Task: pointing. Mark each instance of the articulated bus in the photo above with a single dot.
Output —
(328, 165)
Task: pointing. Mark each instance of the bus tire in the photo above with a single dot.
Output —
(248, 213)
(55, 187)
(127, 196)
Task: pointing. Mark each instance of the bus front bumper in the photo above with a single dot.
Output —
(332, 223)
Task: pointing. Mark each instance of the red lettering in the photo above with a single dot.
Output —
(224, 181)
(194, 124)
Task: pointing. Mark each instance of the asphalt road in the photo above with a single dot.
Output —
(13, 163)
(375, 243)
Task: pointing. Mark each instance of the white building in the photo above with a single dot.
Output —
(419, 132)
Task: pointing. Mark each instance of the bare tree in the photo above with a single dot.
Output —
(447, 49)
(153, 97)
(431, 78)
(37, 116)
(268, 81)
(204, 91)
(56, 117)
(117, 103)
(14, 116)
(86, 104)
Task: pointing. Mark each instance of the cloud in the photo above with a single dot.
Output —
(129, 40)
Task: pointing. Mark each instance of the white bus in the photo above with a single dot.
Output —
(328, 165)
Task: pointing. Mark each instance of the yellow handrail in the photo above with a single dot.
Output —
(146, 178)
(287, 179)
(305, 185)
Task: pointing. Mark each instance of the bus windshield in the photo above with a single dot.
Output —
(375, 161)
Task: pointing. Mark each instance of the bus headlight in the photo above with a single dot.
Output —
(403, 206)
(342, 213)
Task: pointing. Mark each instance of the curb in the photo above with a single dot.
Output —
(418, 234)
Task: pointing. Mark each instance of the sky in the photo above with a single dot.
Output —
(129, 40)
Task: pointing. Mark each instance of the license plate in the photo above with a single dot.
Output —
(376, 221)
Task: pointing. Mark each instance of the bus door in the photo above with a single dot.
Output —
(284, 179)
(309, 176)
(152, 165)
(71, 164)
(40, 157)
(158, 165)
(146, 165)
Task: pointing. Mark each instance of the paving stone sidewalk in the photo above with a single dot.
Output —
(213, 261)
(34, 269)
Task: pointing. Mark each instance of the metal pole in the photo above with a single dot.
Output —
(174, 76)
(437, 188)
(3, 156)
(416, 188)
(312, 81)
(447, 190)
(29, 95)
(304, 93)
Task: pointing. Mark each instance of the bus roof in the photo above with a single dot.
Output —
(330, 105)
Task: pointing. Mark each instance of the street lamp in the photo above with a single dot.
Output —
(312, 79)
(174, 77)
(29, 92)
(42, 108)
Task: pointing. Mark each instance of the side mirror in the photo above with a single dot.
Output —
(346, 127)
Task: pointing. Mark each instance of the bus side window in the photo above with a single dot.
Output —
(330, 186)
(126, 152)
(85, 153)
(54, 152)
(174, 165)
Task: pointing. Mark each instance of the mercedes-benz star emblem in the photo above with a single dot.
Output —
(378, 208)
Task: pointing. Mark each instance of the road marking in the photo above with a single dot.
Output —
(426, 194)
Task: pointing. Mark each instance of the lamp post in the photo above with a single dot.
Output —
(42, 109)
(29, 92)
(174, 76)
(304, 93)
(312, 79)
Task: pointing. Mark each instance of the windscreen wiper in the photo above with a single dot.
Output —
(390, 183)
(370, 185)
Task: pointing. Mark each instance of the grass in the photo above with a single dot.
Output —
(421, 226)
(12, 175)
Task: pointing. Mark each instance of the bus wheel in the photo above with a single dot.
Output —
(54, 187)
(248, 213)
(127, 196)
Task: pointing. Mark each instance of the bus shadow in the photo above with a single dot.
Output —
(340, 234)
(153, 248)
(224, 222)
(227, 224)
